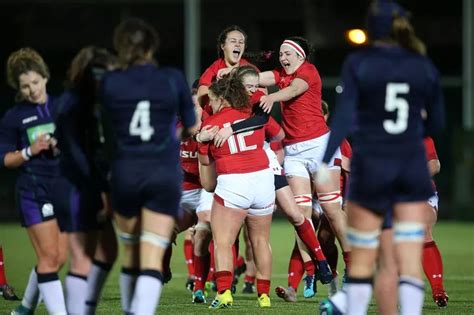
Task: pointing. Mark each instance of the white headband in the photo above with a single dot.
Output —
(295, 46)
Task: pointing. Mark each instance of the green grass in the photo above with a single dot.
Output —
(455, 240)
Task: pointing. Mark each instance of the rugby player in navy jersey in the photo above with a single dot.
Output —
(26, 143)
(384, 88)
(142, 103)
(77, 192)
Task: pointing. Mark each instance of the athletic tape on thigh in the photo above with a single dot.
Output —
(363, 239)
(330, 197)
(202, 226)
(408, 231)
(305, 200)
(155, 239)
(128, 238)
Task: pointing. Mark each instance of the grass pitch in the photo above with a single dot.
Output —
(455, 241)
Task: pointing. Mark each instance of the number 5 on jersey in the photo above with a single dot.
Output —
(393, 102)
(140, 123)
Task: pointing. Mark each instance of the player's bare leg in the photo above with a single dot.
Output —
(386, 278)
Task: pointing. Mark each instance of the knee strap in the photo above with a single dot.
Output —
(305, 200)
(155, 239)
(408, 231)
(330, 197)
(363, 239)
(202, 226)
(128, 238)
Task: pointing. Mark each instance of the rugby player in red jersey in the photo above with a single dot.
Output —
(243, 191)
(306, 131)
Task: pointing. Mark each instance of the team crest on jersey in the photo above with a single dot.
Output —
(29, 119)
(47, 210)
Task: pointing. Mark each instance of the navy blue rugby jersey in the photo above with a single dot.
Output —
(383, 92)
(77, 131)
(142, 104)
(19, 128)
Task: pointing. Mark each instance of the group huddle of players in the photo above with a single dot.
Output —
(128, 142)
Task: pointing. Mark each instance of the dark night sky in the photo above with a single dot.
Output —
(58, 29)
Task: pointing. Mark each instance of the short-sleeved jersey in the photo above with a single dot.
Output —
(272, 128)
(143, 103)
(302, 116)
(189, 164)
(241, 153)
(78, 131)
(20, 127)
(430, 149)
(210, 74)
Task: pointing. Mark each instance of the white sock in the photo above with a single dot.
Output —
(359, 292)
(52, 292)
(31, 295)
(95, 282)
(340, 301)
(128, 277)
(411, 293)
(76, 290)
(147, 293)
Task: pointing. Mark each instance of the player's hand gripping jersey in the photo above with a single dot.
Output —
(243, 152)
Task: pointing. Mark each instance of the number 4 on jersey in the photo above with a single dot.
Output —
(140, 123)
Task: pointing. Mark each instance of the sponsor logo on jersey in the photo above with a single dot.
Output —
(47, 210)
(189, 154)
(36, 131)
(29, 119)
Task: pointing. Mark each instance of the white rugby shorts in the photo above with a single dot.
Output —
(253, 191)
(434, 200)
(205, 202)
(303, 159)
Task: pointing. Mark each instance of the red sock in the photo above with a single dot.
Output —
(167, 259)
(346, 257)
(433, 265)
(249, 279)
(240, 262)
(201, 271)
(263, 287)
(3, 278)
(308, 236)
(188, 255)
(212, 265)
(295, 268)
(223, 280)
(309, 268)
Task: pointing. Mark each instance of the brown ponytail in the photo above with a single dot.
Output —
(404, 34)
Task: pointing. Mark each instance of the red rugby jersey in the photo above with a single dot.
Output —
(430, 149)
(189, 164)
(210, 74)
(302, 116)
(241, 153)
(346, 151)
(431, 153)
